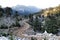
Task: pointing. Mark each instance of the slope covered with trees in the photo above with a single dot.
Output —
(48, 19)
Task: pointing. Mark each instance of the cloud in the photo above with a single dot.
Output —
(37, 3)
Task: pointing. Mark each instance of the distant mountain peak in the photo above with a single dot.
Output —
(25, 9)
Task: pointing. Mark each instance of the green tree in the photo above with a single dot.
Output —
(1, 11)
(8, 11)
(37, 25)
(11, 38)
(31, 17)
(33, 38)
(17, 24)
(16, 16)
(51, 25)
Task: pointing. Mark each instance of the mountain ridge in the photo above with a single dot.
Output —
(25, 10)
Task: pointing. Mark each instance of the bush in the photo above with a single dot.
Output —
(3, 27)
(4, 34)
(33, 38)
(17, 24)
(51, 25)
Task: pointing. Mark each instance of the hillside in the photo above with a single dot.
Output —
(51, 10)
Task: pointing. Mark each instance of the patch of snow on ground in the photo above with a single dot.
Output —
(3, 38)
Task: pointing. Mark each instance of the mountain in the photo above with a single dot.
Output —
(25, 9)
(52, 10)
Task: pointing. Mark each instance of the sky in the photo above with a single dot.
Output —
(37, 3)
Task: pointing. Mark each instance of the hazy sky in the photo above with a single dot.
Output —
(37, 3)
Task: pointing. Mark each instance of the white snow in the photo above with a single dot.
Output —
(3, 38)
